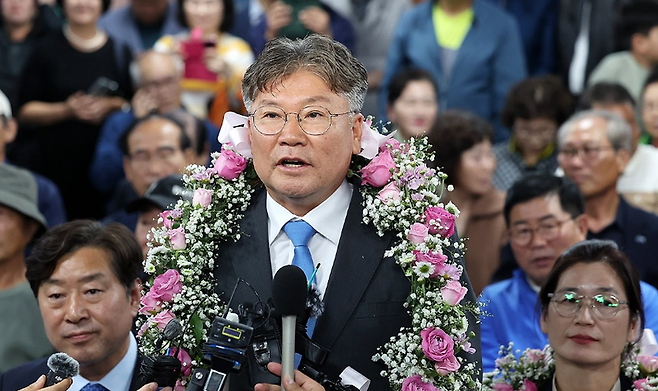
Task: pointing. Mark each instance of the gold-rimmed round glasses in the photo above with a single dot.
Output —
(314, 120)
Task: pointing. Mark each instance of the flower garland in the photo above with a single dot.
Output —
(534, 367)
(401, 194)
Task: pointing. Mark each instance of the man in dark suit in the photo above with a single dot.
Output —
(305, 125)
(85, 277)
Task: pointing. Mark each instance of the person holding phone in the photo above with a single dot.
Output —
(71, 83)
(215, 60)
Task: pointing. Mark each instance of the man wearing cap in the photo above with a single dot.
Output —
(161, 195)
(23, 337)
(49, 199)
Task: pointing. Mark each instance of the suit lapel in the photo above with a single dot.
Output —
(254, 244)
(359, 253)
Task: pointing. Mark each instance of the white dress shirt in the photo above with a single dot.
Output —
(327, 219)
(119, 378)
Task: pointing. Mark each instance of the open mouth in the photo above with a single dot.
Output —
(292, 163)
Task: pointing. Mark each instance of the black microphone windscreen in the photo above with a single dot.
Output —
(172, 330)
(289, 291)
(64, 365)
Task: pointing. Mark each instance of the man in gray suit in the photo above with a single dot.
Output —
(303, 167)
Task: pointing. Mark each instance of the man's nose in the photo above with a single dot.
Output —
(75, 309)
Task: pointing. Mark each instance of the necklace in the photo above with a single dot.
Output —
(85, 44)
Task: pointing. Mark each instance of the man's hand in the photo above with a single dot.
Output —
(302, 382)
(41, 381)
(316, 19)
(152, 387)
(143, 103)
(278, 16)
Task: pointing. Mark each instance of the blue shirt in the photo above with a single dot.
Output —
(511, 314)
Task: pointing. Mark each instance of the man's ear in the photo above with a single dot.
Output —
(135, 296)
(357, 133)
(581, 225)
(10, 131)
(623, 157)
(128, 169)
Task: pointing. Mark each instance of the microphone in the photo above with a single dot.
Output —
(61, 366)
(289, 295)
(170, 332)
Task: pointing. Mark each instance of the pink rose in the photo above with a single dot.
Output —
(642, 384)
(648, 363)
(179, 386)
(528, 385)
(379, 171)
(185, 359)
(167, 218)
(440, 221)
(162, 318)
(436, 344)
(453, 292)
(415, 383)
(389, 192)
(229, 165)
(166, 285)
(202, 197)
(150, 303)
(177, 238)
(417, 233)
(447, 365)
(502, 387)
(434, 258)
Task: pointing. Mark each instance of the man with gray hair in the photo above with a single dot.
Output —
(594, 148)
(157, 76)
(303, 166)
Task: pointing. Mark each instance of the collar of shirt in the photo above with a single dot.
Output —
(120, 377)
(327, 219)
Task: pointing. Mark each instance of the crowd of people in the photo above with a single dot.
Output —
(543, 114)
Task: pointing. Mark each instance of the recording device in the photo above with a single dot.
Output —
(256, 335)
(296, 28)
(61, 366)
(103, 87)
(162, 369)
(289, 293)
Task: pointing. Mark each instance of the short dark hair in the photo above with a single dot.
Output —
(227, 20)
(605, 93)
(536, 185)
(636, 17)
(592, 251)
(105, 4)
(185, 142)
(453, 133)
(317, 54)
(538, 97)
(63, 239)
(400, 81)
(197, 133)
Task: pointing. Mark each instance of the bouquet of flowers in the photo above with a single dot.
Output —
(401, 194)
(535, 367)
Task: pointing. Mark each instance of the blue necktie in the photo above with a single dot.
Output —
(300, 232)
(94, 387)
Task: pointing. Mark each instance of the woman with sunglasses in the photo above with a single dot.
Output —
(592, 312)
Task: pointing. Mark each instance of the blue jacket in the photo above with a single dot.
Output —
(121, 25)
(511, 315)
(488, 63)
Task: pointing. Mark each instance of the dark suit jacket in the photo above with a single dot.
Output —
(26, 374)
(364, 297)
(626, 384)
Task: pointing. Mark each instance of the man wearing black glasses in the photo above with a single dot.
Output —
(545, 215)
